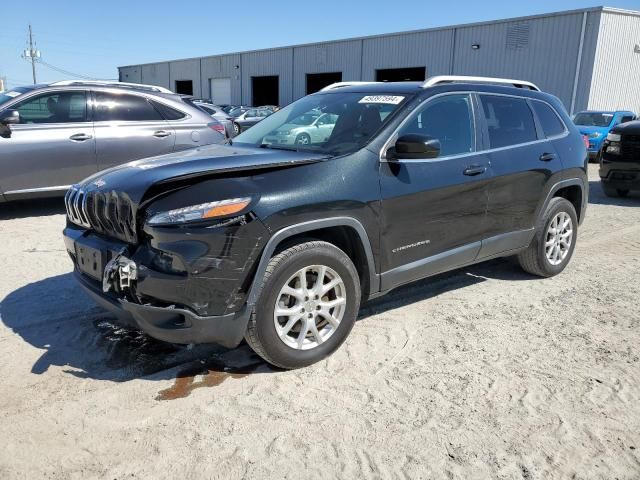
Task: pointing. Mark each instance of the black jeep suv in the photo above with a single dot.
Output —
(279, 242)
(620, 160)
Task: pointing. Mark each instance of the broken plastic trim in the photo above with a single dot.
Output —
(120, 272)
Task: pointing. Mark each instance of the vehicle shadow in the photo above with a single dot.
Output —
(56, 316)
(597, 196)
(32, 208)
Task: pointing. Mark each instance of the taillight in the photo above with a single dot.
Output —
(585, 140)
(218, 127)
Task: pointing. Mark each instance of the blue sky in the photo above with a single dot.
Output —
(94, 38)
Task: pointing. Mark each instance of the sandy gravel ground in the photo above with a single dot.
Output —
(482, 373)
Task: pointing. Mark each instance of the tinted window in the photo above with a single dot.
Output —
(551, 124)
(509, 120)
(593, 119)
(449, 119)
(167, 112)
(123, 107)
(59, 107)
(626, 118)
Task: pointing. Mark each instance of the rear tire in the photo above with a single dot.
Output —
(236, 128)
(554, 242)
(295, 322)
(622, 192)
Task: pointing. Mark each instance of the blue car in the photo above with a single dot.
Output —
(596, 125)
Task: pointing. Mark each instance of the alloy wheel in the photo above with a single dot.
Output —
(309, 307)
(558, 239)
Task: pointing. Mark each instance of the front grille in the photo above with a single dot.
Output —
(630, 148)
(108, 213)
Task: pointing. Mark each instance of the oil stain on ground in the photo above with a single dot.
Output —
(212, 374)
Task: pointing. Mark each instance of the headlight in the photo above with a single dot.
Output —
(204, 211)
(614, 137)
(614, 149)
(283, 132)
(595, 135)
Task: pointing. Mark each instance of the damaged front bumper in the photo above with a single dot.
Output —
(108, 272)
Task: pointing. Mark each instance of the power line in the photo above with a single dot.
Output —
(66, 72)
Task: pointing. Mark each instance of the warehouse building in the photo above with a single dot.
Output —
(589, 58)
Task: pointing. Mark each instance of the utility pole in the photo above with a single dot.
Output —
(32, 54)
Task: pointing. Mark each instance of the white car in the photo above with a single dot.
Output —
(307, 129)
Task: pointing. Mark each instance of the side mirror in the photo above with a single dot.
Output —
(9, 117)
(414, 146)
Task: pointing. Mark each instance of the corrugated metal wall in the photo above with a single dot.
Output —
(223, 66)
(268, 62)
(431, 49)
(186, 70)
(543, 49)
(345, 57)
(157, 74)
(616, 75)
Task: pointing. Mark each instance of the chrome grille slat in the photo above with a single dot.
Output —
(108, 213)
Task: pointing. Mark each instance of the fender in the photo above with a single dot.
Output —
(567, 183)
(280, 235)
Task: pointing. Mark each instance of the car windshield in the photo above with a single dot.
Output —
(13, 93)
(354, 119)
(593, 119)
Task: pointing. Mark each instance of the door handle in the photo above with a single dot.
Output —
(547, 157)
(474, 170)
(161, 134)
(80, 137)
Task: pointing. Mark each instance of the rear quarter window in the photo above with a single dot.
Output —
(549, 119)
(167, 112)
(509, 120)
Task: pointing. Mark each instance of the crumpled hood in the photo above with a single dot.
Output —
(135, 178)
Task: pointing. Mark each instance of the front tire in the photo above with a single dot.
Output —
(236, 128)
(303, 139)
(307, 306)
(554, 242)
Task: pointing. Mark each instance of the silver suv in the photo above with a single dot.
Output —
(54, 135)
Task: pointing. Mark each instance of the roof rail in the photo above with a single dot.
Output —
(345, 84)
(106, 83)
(465, 79)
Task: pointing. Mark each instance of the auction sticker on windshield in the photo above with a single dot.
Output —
(12, 94)
(387, 99)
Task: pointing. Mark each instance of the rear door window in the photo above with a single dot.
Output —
(509, 120)
(55, 107)
(123, 107)
(549, 120)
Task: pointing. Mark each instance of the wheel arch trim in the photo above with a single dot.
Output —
(291, 230)
(569, 182)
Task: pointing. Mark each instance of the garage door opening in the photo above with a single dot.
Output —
(401, 74)
(184, 86)
(265, 91)
(317, 81)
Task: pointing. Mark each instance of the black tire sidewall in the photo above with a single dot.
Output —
(282, 354)
(556, 206)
